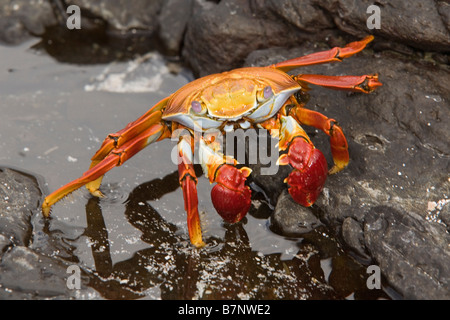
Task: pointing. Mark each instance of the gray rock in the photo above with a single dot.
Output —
(353, 236)
(304, 15)
(272, 185)
(220, 35)
(421, 24)
(292, 219)
(412, 253)
(173, 20)
(4, 243)
(41, 277)
(123, 15)
(444, 214)
(19, 197)
(398, 143)
(21, 18)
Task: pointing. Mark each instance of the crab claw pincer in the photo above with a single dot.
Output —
(310, 172)
(230, 196)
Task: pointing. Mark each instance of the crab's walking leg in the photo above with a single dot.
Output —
(364, 83)
(334, 55)
(338, 142)
(231, 197)
(309, 172)
(146, 131)
(116, 140)
(188, 182)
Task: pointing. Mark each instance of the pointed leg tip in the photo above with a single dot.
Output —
(46, 208)
(368, 38)
(336, 169)
(199, 244)
(97, 193)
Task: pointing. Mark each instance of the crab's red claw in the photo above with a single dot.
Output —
(230, 196)
(307, 179)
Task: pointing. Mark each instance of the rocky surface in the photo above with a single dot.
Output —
(213, 46)
(122, 15)
(387, 203)
(20, 195)
(390, 206)
(20, 19)
(24, 272)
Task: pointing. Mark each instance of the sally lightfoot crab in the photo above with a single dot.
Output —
(253, 97)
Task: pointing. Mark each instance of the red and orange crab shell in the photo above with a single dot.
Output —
(252, 94)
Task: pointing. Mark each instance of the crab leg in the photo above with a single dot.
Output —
(188, 183)
(364, 83)
(115, 140)
(230, 196)
(135, 137)
(309, 172)
(338, 142)
(333, 55)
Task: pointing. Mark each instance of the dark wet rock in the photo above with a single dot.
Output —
(27, 273)
(398, 143)
(412, 253)
(4, 243)
(123, 15)
(444, 214)
(19, 196)
(220, 35)
(304, 15)
(173, 20)
(353, 236)
(421, 24)
(41, 277)
(443, 8)
(21, 18)
(292, 219)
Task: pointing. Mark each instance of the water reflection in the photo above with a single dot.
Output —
(228, 268)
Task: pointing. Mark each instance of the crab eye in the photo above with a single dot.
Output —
(267, 92)
(196, 106)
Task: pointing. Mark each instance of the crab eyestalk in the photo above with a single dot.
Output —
(265, 94)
